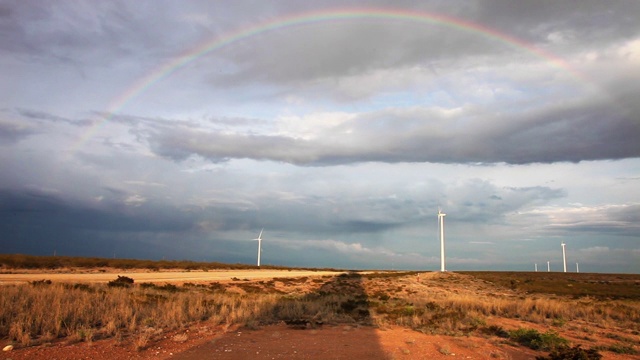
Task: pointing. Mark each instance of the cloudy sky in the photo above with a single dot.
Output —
(180, 129)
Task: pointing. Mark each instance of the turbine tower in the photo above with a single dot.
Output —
(564, 257)
(441, 216)
(548, 266)
(259, 239)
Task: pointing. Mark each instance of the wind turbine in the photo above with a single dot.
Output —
(548, 266)
(259, 239)
(441, 216)
(564, 257)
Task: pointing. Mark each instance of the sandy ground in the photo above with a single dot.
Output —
(160, 276)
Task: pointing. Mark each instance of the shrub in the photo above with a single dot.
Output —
(535, 340)
(217, 287)
(168, 287)
(40, 282)
(495, 330)
(574, 353)
(147, 285)
(121, 281)
(79, 286)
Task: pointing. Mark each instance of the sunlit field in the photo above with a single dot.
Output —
(543, 311)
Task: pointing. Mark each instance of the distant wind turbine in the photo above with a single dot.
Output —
(259, 239)
(548, 266)
(577, 268)
(536, 267)
(441, 216)
(564, 257)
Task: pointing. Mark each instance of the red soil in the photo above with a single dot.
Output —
(283, 342)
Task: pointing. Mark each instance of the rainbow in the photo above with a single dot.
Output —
(300, 19)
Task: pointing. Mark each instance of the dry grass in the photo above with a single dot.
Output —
(458, 312)
(601, 286)
(452, 304)
(31, 313)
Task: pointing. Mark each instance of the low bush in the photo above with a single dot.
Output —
(536, 340)
(121, 281)
(495, 330)
(40, 282)
(79, 286)
(168, 287)
(573, 353)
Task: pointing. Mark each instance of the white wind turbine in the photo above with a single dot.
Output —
(259, 239)
(564, 256)
(441, 216)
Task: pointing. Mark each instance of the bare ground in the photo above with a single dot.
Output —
(283, 342)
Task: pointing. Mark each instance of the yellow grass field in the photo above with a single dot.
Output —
(173, 277)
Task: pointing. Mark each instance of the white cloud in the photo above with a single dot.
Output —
(135, 200)
(602, 218)
(630, 51)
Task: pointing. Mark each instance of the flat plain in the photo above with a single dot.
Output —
(173, 277)
(105, 313)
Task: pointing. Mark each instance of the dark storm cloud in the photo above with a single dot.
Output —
(334, 49)
(479, 201)
(90, 33)
(44, 116)
(78, 32)
(308, 214)
(555, 134)
(41, 223)
(11, 131)
(587, 21)
(47, 209)
(20, 123)
(179, 145)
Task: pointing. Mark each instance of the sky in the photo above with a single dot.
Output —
(180, 129)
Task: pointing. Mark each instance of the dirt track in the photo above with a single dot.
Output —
(167, 277)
